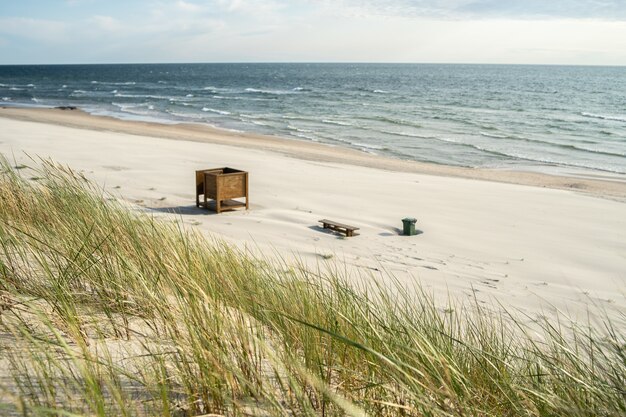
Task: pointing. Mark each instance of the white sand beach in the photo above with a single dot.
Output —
(527, 240)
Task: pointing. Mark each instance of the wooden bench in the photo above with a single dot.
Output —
(338, 227)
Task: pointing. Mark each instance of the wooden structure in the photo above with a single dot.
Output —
(221, 185)
(338, 227)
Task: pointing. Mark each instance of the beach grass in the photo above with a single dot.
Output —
(106, 310)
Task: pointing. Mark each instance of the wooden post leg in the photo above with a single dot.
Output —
(247, 189)
(218, 206)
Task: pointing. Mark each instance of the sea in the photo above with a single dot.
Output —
(546, 118)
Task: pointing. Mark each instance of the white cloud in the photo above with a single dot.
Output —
(188, 7)
(325, 30)
(108, 23)
(35, 29)
(464, 9)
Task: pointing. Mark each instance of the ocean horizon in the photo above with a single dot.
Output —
(546, 118)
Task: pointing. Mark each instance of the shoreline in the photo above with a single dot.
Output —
(597, 184)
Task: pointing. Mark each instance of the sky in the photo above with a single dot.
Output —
(576, 32)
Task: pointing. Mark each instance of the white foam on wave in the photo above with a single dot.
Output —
(30, 85)
(407, 134)
(250, 116)
(16, 89)
(493, 135)
(189, 95)
(336, 122)
(262, 91)
(6, 98)
(228, 98)
(380, 92)
(604, 117)
(303, 136)
(297, 129)
(115, 83)
(369, 146)
(185, 115)
(143, 96)
(64, 86)
(35, 99)
(222, 112)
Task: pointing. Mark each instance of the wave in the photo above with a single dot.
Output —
(35, 99)
(369, 146)
(144, 96)
(270, 92)
(114, 83)
(558, 145)
(522, 157)
(380, 92)
(494, 135)
(604, 117)
(185, 115)
(16, 89)
(297, 118)
(189, 95)
(590, 150)
(6, 98)
(222, 112)
(303, 136)
(407, 134)
(393, 120)
(250, 116)
(336, 122)
(297, 129)
(17, 86)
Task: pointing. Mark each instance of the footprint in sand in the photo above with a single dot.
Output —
(115, 168)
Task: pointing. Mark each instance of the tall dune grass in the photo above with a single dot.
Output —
(107, 311)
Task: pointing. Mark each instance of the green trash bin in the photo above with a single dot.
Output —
(409, 226)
